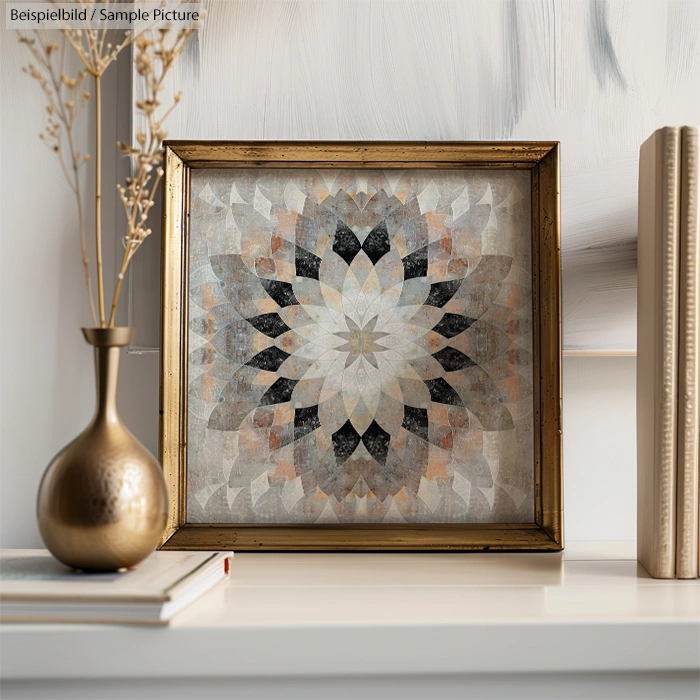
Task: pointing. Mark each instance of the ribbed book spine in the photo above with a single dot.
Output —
(687, 480)
(657, 351)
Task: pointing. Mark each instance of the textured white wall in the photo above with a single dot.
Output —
(45, 367)
(597, 75)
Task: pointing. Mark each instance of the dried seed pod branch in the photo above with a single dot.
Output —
(97, 49)
(155, 53)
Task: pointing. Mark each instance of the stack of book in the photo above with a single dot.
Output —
(668, 499)
(34, 587)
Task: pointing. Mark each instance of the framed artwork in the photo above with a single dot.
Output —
(361, 346)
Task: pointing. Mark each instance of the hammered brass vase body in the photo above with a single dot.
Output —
(103, 502)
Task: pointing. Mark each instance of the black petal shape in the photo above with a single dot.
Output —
(453, 324)
(345, 243)
(269, 359)
(416, 264)
(376, 440)
(269, 324)
(442, 292)
(376, 244)
(307, 263)
(452, 359)
(345, 442)
(442, 392)
(281, 292)
(305, 421)
(279, 392)
(415, 420)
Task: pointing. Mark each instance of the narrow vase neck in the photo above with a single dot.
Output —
(106, 374)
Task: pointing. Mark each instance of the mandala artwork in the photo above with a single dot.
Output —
(360, 346)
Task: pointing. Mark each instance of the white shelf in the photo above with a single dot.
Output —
(589, 609)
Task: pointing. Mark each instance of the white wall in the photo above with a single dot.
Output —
(46, 371)
(600, 467)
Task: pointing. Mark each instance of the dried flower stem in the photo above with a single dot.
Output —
(83, 245)
(98, 197)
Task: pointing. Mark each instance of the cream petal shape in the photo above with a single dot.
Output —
(332, 297)
(314, 331)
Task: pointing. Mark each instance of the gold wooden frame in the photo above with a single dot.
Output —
(542, 159)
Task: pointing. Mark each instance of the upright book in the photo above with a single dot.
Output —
(34, 587)
(658, 254)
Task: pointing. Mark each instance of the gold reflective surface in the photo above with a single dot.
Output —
(103, 502)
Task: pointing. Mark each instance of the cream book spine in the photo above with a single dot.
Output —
(687, 487)
(657, 350)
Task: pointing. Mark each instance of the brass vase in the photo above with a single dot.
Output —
(103, 502)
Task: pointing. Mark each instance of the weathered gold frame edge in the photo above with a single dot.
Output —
(542, 158)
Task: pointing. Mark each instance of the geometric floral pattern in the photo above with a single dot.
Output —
(360, 346)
